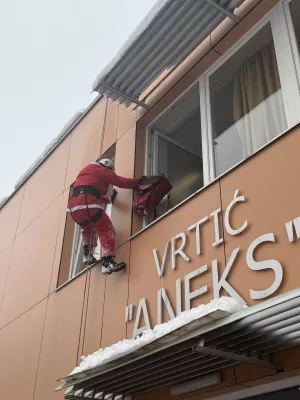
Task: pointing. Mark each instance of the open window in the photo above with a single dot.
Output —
(175, 149)
(248, 98)
(72, 253)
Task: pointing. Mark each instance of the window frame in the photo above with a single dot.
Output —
(151, 153)
(286, 69)
(293, 38)
(75, 253)
(288, 60)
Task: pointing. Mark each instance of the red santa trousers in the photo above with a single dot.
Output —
(102, 228)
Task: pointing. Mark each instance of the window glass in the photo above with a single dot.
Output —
(246, 102)
(177, 147)
(182, 169)
(295, 11)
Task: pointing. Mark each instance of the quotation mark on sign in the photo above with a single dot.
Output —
(293, 227)
(129, 313)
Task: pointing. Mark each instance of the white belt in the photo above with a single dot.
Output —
(84, 207)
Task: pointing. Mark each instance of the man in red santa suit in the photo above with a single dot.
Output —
(93, 190)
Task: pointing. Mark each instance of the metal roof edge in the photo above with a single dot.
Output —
(126, 359)
(66, 133)
(131, 40)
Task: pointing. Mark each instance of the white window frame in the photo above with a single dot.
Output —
(290, 25)
(287, 73)
(288, 60)
(76, 250)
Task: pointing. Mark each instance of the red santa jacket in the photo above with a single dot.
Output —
(102, 179)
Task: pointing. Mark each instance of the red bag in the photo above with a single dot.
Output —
(153, 189)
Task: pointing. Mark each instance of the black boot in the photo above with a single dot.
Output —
(88, 258)
(110, 265)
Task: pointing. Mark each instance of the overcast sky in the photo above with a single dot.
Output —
(50, 53)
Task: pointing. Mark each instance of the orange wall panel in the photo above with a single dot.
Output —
(116, 295)
(248, 372)
(31, 265)
(196, 209)
(111, 125)
(94, 314)
(126, 118)
(269, 182)
(5, 257)
(59, 242)
(139, 170)
(143, 279)
(9, 217)
(289, 358)
(122, 207)
(45, 185)
(20, 344)
(60, 339)
(159, 394)
(86, 141)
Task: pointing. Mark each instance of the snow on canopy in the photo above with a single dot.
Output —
(126, 346)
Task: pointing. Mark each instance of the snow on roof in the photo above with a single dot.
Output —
(3, 200)
(133, 37)
(126, 346)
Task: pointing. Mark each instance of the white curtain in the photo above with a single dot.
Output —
(257, 102)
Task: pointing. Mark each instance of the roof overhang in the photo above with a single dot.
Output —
(208, 344)
(168, 35)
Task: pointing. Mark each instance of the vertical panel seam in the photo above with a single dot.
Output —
(103, 127)
(103, 307)
(134, 123)
(87, 308)
(40, 352)
(67, 166)
(223, 230)
(118, 112)
(127, 301)
(81, 319)
(12, 251)
(56, 241)
(21, 206)
(20, 211)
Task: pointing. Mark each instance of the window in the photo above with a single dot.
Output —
(244, 101)
(293, 17)
(72, 253)
(295, 12)
(251, 94)
(176, 149)
(247, 109)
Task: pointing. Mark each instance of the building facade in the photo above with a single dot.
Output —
(224, 128)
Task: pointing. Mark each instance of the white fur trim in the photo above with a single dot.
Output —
(83, 207)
